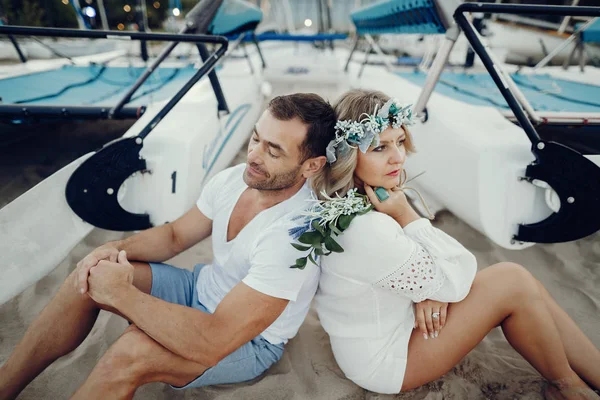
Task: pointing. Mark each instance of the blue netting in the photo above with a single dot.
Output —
(92, 85)
(544, 92)
(235, 16)
(592, 33)
(398, 16)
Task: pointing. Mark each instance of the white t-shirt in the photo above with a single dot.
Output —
(260, 255)
(366, 294)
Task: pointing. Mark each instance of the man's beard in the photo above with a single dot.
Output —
(280, 181)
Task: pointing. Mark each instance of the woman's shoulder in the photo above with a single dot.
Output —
(373, 221)
(371, 227)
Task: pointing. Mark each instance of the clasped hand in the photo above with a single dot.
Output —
(424, 317)
(103, 274)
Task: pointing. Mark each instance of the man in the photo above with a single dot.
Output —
(225, 322)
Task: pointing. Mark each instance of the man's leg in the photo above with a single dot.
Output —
(132, 361)
(63, 324)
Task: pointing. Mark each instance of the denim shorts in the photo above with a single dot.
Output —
(177, 285)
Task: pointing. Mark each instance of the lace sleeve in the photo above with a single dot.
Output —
(418, 278)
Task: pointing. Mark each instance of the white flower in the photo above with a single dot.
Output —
(329, 210)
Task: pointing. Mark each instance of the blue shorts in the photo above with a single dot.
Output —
(177, 285)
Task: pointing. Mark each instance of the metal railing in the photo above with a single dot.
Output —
(119, 110)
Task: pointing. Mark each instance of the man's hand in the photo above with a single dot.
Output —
(425, 319)
(105, 252)
(108, 278)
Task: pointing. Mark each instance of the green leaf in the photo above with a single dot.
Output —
(319, 252)
(310, 257)
(300, 263)
(344, 221)
(335, 230)
(316, 226)
(333, 245)
(300, 247)
(313, 238)
(366, 210)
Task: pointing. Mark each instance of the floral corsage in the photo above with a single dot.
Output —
(324, 220)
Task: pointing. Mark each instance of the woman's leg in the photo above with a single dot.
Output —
(583, 356)
(504, 294)
(61, 326)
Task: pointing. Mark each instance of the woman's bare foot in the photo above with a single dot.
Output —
(567, 390)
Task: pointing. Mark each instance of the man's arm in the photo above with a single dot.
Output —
(166, 241)
(153, 245)
(197, 336)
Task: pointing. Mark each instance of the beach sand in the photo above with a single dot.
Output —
(570, 271)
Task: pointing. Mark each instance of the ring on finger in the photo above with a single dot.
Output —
(435, 315)
(381, 194)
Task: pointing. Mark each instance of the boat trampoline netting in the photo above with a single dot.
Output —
(544, 92)
(92, 85)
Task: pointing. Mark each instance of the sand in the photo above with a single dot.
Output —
(570, 271)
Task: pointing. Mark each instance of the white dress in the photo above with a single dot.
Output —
(366, 294)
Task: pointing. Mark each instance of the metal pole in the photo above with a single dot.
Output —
(214, 80)
(287, 13)
(206, 67)
(499, 66)
(140, 16)
(162, 56)
(103, 15)
(494, 72)
(247, 58)
(378, 50)
(55, 52)
(564, 44)
(78, 14)
(352, 52)
(362, 67)
(565, 21)
(327, 4)
(18, 48)
(140, 81)
(262, 59)
(436, 68)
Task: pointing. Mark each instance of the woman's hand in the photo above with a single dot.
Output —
(425, 317)
(394, 206)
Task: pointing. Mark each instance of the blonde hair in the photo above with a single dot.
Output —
(339, 176)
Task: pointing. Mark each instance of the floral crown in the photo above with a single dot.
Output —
(365, 133)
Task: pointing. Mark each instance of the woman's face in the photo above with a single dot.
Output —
(382, 165)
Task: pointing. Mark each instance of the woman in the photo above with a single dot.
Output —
(397, 269)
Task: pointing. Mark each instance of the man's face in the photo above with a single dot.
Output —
(274, 153)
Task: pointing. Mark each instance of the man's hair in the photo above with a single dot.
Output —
(313, 111)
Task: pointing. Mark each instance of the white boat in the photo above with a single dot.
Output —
(479, 164)
(150, 176)
(514, 39)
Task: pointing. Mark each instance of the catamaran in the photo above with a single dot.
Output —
(513, 152)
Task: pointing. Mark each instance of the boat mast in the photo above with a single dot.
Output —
(103, 18)
(80, 20)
